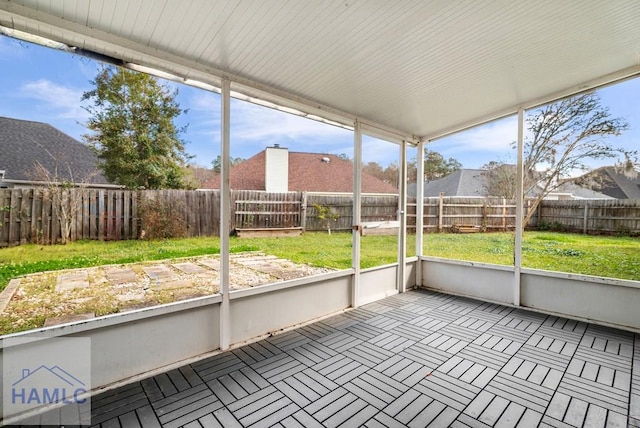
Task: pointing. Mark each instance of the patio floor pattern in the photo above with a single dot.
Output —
(416, 359)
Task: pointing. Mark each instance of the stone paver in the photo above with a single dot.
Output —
(68, 318)
(407, 360)
(120, 275)
(160, 273)
(190, 268)
(71, 280)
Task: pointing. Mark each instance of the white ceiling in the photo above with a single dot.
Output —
(419, 68)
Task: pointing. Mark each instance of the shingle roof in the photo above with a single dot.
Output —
(307, 172)
(23, 143)
(618, 185)
(463, 182)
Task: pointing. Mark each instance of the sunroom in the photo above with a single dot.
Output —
(422, 341)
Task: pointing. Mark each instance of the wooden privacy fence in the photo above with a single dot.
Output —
(40, 215)
(445, 213)
(36, 215)
(590, 216)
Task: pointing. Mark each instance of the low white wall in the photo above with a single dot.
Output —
(261, 310)
(479, 280)
(128, 344)
(138, 342)
(377, 283)
(609, 301)
(606, 301)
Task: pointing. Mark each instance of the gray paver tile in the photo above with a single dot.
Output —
(382, 420)
(369, 354)
(596, 417)
(363, 331)
(485, 356)
(340, 369)
(519, 391)
(494, 410)
(289, 340)
(316, 330)
(576, 412)
(218, 365)
(340, 341)
(449, 390)
(278, 367)
(375, 388)
(545, 357)
(311, 353)
(511, 416)
(406, 410)
(465, 364)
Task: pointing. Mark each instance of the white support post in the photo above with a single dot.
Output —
(419, 212)
(225, 215)
(517, 247)
(357, 212)
(402, 217)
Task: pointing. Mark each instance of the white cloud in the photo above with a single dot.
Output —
(64, 101)
(257, 123)
(493, 137)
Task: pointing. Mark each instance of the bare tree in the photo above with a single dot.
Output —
(63, 191)
(564, 137)
(500, 180)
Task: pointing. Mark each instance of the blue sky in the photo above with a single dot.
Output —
(46, 85)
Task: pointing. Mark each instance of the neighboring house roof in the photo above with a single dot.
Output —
(615, 183)
(473, 182)
(463, 182)
(24, 143)
(307, 172)
(579, 192)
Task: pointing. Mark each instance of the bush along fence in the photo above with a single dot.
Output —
(50, 216)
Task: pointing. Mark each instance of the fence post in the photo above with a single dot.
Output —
(504, 214)
(586, 217)
(303, 212)
(440, 211)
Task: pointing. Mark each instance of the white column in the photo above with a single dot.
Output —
(402, 218)
(517, 247)
(225, 216)
(419, 211)
(356, 221)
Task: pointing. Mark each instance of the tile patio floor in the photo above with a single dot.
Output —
(417, 359)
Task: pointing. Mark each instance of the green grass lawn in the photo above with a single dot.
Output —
(607, 256)
(616, 257)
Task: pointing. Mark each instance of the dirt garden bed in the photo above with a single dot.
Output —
(51, 298)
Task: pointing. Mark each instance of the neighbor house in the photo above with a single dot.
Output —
(276, 169)
(35, 153)
(475, 183)
(613, 181)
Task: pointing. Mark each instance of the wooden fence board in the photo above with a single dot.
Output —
(25, 215)
(28, 215)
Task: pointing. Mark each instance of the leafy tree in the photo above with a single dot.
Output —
(564, 137)
(134, 135)
(374, 169)
(195, 176)
(217, 163)
(436, 166)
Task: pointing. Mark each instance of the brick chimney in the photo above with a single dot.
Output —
(276, 169)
